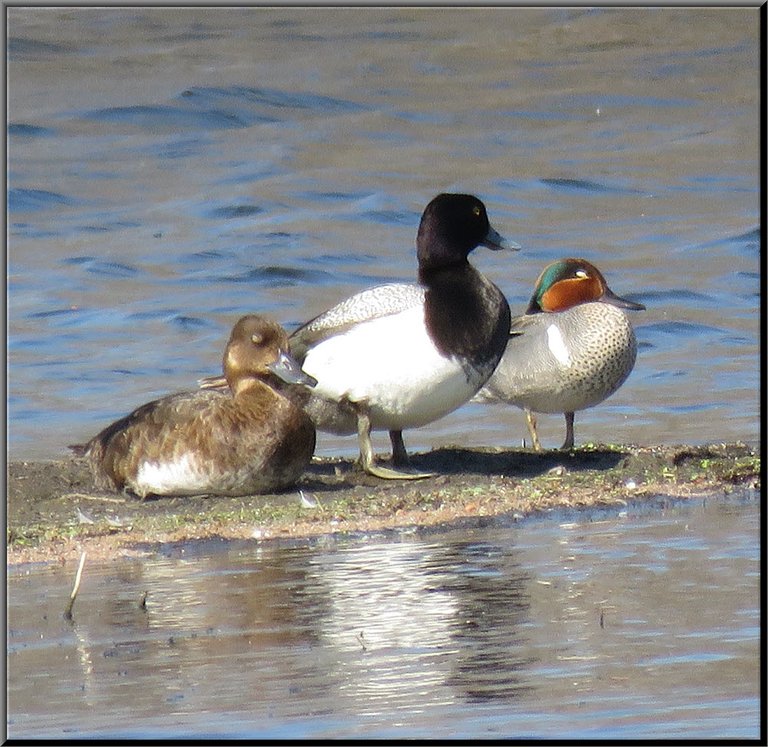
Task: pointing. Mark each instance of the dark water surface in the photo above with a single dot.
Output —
(640, 623)
(172, 169)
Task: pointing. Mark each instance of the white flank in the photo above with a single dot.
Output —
(557, 345)
(182, 476)
(392, 365)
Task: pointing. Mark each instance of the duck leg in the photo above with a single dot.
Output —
(400, 456)
(568, 443)
(367, 459)
(531, 420)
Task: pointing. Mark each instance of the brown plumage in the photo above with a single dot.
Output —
(243, 440)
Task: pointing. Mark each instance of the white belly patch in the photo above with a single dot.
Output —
(181, 476)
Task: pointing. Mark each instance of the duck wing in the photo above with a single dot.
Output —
(379, 301)
(520, 324)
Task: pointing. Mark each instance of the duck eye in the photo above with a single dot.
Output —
(476, 211)
(581, 274)
(257, 339)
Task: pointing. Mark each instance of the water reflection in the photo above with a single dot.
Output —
(492, 613)
(601, 624)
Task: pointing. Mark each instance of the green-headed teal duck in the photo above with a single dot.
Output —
(572, 349)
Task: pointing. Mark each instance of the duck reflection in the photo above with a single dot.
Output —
(492, 612)
(363, 631)
(426, 623)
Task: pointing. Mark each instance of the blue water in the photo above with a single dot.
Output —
(170, 170)
(640, 623)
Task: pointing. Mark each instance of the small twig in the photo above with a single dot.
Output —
(75, 588)
(309, 500)
(91, 497)
(143, 601)
(361, 640)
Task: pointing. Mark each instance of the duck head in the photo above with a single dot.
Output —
(572, 281)
(451, 226)
(258, 350)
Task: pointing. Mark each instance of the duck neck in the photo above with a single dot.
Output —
(436, 247)
(466, 314)
(246, 385)
(433, 274)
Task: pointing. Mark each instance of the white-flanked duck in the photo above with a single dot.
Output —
(403, 355)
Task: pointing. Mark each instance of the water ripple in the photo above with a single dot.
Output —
(678, 295)
(21, 129)
(585, 185)
(234, 211)
(269, 104)
(749, 241)
(387, 217)
(163, 116)
(52, 313)
(273, 276)
(681, 329)
(29, 200)
(32, 49)
(97, 266)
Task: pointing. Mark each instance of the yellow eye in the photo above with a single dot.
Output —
(257, 339)
(581, 274)
(476, 210)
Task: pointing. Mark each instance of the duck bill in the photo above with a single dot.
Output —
(287, 369)
(495, 241)
(610, 297)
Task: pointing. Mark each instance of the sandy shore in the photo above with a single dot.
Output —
(54, 512)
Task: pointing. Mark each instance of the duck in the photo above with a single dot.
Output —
(402, 355)
(247, 439)
(572, 349)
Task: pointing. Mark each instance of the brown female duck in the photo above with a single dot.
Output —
(243, 440)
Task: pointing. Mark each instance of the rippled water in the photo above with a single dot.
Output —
(172, 169)
(643, 623)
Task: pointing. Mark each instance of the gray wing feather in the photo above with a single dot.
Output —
(520, 324)
(382, 300)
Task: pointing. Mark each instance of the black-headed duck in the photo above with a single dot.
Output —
(403, 355)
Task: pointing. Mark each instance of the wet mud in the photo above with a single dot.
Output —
(54, 512)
